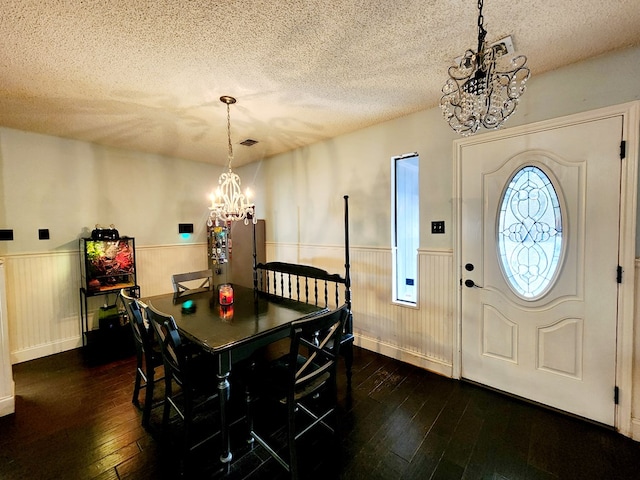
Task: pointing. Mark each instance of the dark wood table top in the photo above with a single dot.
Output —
(254, 317)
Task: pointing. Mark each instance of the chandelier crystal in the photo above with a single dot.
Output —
(228, 203)
(484, 88)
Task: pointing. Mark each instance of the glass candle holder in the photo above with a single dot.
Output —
(225, 294)
(226, 313)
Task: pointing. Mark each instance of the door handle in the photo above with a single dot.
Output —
(470, 284)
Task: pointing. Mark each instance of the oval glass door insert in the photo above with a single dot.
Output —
(530, 233)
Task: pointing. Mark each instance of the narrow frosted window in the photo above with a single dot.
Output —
(530, 233)
(405, 227)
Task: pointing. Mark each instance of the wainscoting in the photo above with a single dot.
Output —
(43, 298)
(422, 335)
(43, 301)
(42, 304)
(7, 386)
(43, 294)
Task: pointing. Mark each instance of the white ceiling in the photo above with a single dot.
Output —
(147, 74)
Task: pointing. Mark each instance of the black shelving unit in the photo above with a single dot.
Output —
(107, 266)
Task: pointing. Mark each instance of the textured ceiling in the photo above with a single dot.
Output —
(147, 74)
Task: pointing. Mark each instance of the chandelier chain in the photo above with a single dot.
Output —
(482, 32)
(230, 156)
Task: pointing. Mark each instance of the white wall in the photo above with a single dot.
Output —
(310, 179)
(68, 186)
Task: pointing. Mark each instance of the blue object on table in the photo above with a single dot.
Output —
(189, 306)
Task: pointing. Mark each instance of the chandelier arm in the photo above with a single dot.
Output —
(488, 67)
(458, 72)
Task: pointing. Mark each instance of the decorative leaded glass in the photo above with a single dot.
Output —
(530, 232)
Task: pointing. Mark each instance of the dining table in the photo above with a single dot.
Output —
(230, 332)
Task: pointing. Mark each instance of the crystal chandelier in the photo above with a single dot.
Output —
(228, 203)
(484, 88)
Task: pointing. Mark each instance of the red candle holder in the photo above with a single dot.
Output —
(225, 294)
(226, 313)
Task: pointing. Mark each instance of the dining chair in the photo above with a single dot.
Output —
(302, 383)
(148, 355)
(184, 282)
(190, 370)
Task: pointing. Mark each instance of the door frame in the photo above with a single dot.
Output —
(630, 113)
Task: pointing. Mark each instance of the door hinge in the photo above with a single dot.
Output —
(616, 395)
(623, 149)
(619, 274)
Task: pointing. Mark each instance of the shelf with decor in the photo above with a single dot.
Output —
(107, 264)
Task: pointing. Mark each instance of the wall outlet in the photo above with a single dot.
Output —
(437, 227)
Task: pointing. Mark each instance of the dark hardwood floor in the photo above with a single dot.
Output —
(75, 420)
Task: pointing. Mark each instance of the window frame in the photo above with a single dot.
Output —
(396, 219)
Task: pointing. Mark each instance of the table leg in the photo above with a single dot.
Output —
(224, 389)
(249, 404)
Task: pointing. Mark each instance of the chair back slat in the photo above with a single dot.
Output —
(184, 282)
(142, 337)
(317, 341)
(170, 341)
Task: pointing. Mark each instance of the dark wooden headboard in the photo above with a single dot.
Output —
(303, 283)
(309, 284)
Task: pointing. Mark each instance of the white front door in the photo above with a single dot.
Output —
(539, 287)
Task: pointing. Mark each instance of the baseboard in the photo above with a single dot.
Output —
(45, 350)
(406, 356)
(635, 429)
(8, 404)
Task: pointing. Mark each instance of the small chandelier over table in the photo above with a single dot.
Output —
(228, 203)
(483, 89)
